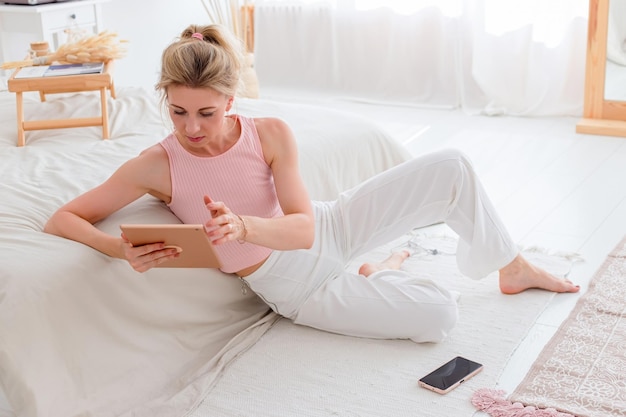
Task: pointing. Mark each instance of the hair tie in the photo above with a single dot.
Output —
(198, 36)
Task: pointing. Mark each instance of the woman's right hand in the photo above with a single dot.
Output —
(144, 257)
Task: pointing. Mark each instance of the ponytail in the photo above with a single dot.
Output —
(212, 60)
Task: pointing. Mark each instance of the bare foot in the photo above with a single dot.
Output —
(520, 275)
(392, 262)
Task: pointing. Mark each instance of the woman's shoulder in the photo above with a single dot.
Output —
(276, 138)
(153, 154)
(271, 125)
(149, 170)
(150, 158)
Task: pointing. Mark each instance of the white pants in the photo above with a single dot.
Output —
(313, 288)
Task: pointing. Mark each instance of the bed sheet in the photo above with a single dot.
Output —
(83, 334)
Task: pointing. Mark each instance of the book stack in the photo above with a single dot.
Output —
(60, 70)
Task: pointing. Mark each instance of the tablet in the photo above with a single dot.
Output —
(197, 249)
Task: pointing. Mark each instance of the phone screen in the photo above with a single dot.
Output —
(450, 374)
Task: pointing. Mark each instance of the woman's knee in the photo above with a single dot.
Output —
(450, 166)
(453, 154)
(437, 323)
(458, 159)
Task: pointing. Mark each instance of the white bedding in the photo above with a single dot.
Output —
(83, 334)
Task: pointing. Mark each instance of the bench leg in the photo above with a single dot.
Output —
(112, 88)
(21, 137)
(105, 113)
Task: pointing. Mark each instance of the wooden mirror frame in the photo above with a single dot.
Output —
(600, 116)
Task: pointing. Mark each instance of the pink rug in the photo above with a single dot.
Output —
(582, 370)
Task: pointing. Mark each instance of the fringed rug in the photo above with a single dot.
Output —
(582, 370)
(298, 371)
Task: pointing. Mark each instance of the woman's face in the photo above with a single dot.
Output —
(198, 113)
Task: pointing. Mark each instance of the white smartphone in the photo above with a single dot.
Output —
(450, 375)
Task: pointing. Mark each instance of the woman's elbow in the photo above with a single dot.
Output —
(309, 235)
(50, 227)
(56, 224)
(308, 243)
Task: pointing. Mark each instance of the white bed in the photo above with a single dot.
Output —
(82, 334)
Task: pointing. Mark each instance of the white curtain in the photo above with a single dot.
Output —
(491, 56)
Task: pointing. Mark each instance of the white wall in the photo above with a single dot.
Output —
(149, 26)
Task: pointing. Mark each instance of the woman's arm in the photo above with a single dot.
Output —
(141, 175)
(294, 230)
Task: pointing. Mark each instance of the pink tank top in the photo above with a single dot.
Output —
(239, 177)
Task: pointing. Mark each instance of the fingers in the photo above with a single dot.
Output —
(216, 208)
(224, 225)
(224, 228)
(143, 258)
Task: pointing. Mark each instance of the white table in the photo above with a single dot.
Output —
(21, 25)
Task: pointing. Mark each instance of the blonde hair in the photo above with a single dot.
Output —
(214, 62)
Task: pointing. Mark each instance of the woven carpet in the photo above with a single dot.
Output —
(298, 371)
(582, 370)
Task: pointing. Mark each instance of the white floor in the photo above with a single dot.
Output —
(554, 188)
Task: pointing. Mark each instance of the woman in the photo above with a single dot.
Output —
(240, 177)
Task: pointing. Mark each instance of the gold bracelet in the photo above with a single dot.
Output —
(245, 230)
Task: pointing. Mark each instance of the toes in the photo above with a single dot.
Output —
(572, 287)
(402, 255)
(366, 270)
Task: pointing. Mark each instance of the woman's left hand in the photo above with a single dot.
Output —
(224, 226)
